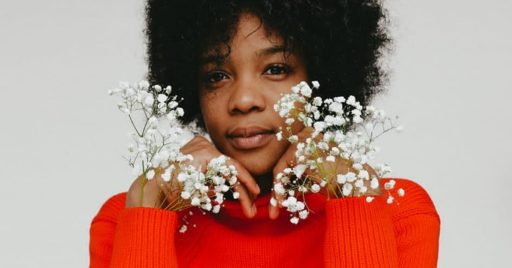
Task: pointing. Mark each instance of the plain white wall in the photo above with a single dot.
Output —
(62, 138)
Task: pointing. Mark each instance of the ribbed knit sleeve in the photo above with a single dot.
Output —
(359, 234)
(417, 227)
(133, 237)
(403, 234)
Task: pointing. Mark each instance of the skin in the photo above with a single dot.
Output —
(239, 93)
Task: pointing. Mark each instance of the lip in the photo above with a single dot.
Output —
(250, 137)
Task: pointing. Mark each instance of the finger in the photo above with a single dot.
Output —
(246, 178)
(286, 160)
(247, 188)
(248, 206)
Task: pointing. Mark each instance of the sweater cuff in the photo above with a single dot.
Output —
(359, 234)
(145, 238)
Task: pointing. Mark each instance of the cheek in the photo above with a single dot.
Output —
(211, 117)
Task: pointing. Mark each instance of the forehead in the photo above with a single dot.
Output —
(249, 36)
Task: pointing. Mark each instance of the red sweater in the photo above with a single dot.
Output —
(346, 232)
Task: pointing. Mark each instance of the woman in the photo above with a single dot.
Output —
(231, 60)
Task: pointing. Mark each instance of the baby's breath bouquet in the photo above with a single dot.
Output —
(155, 150)
(343, 133)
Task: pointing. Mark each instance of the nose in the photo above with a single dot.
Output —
(246, 97)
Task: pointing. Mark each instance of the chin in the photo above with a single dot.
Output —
(257, 165)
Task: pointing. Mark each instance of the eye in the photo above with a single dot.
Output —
(214, 77)
(277, 69)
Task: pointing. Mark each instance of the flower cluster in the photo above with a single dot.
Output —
(343, 132)
(155, 150)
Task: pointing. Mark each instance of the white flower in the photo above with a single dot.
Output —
(195, 202)
(150, 174)
(358, 166)
(363, 174)
(390, 199)
(303, 214)
(183, 228)
(144, 85)
(294, 220)
(319, 126)
(341, 179)
(347, 189)
(351, 100)
(305, 91)
(166, 176)
(148, 101)
(315, 84)
(336, 107)
(185, 195)
(293, 139)
(389, 185)
(351, 176)
(172, 104)
(161, 98)
(317, 101)
(278, 188)
(279, 135)
(180, 112)
(298, 170)
(315, 188)
(330, 158)
(401, 192)
(236, 195)
(374, 183)
(369, 199)
(216, 209)
(273, 202)
(168, 89)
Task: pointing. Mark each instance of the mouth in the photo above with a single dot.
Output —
(251, 137)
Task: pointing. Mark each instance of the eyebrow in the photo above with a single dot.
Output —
(219, 58)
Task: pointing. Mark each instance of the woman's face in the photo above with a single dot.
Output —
(237, 96)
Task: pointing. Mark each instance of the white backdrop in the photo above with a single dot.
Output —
(61, 136)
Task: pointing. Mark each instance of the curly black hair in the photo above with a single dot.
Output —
(341, 42)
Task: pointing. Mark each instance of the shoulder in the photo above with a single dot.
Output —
(110, 210)
(415, 200)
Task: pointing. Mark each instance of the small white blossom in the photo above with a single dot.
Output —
(150, 174)
(273, 202)
(315, 188)
(389, 185)
(195, 201)
(278, 188)
(303, 214)
(347, 189)
(401, 192)
(185, 195)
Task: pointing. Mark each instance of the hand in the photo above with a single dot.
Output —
(287, 160)
(150, 193)
(329, 169)
(202, 152)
